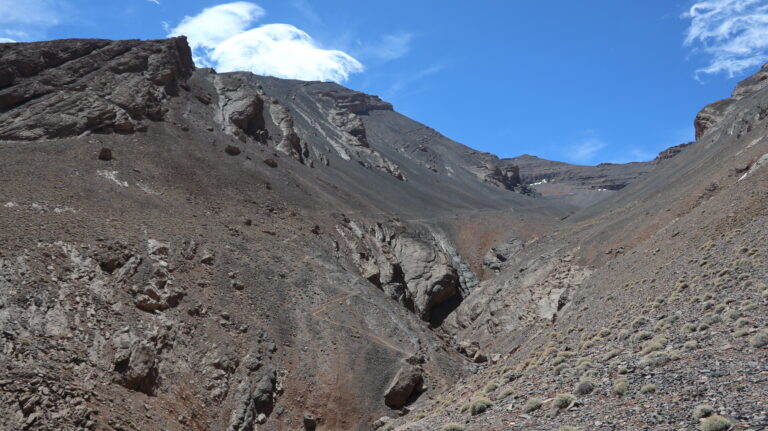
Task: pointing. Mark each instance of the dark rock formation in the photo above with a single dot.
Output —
(404, 386)
(55, 90)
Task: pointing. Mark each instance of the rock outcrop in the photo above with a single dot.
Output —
(406, 385)
(411, 267)
(48, 90)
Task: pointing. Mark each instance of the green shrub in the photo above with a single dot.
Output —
(702, 411)
(655, 359)
(715, 423)
(623, 370)
(620, 386)
(612, 354)
(642, 336)
(479, 405)
(732, 314)
(741, 333)
(760, 339)
(742, 322)
(453, 426)
(532, 404)
(490, 387)
(563, 400)
(648, 388)
(749, 307)
(640, 322)
(657, 343)
(690, 345)
(689, 327)
(567, 428)
(505, 393)
(465, 407)
(561, 357)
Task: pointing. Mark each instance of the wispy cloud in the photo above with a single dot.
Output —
(585, 148)
(404, 81)
(221, 37)
(29, 19)
(6, 40)
(732, 33)
(390, 47)
(157, 2)
(306, 9)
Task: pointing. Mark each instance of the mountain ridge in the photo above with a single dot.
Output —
(185, 249)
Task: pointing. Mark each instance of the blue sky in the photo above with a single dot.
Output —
(581, 81)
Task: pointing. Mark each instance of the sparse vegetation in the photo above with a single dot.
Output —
(648, 388)
(505, 393)
(567, 428)
(642, 336)
(702, 411)
(453, 426)
(585, 387)
(480, 405)
(532, 404)
(655, 359)
(640, 322)
(490, 387)
(760, 339)
(620, 386)
(656, 343)
(563, 400)
(715, 423)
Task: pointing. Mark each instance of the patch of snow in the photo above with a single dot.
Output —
(544, 181)
(146, 189)
(762, 161)
(112, 176)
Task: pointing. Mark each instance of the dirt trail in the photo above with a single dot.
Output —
(317, 314)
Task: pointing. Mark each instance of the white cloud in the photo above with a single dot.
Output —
(220, 37)
(392, 46)
(6, 40)
(733, 33)
(157, 2)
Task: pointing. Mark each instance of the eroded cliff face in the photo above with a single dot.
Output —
(712, 115)
(54, 90)
(174, 253)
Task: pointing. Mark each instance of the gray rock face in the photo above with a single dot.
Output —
(51, 91)
(256, 398)
(406, 384)
(409, 267)
(136, 362)
(499, 254)
(713, 114)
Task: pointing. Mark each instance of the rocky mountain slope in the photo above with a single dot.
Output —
(187, 250)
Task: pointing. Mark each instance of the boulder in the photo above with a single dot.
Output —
(406, 383)
(105, 154)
